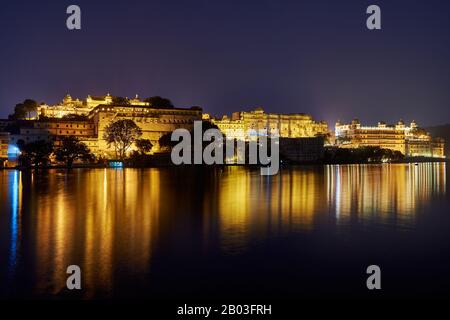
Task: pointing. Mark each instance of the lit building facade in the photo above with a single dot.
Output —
(233, 129)
(4, 143)
(51, 129)
(286, 125)
(411, 140)
(70, 106)
(154, 122)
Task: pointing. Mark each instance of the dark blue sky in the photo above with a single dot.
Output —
(312, 56)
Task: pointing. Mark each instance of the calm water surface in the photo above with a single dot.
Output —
(212, 233)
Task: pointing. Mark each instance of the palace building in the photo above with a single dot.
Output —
(154, 122)
(70, 106)
(4, 143)
(88, 119)
(411, 140)
(243, 123)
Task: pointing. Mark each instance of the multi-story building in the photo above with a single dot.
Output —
(411, 141)
(89, 129)
(286, 125)
(354, 135)
(70, 106)
(4, 143)
(233, 129)
(154, 122)
(438, 148)
(51, 129)
(4, 123)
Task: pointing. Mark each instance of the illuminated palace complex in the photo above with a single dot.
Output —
(71, 106)
(154, 122)
(410, 140)
(87, 120)
(243, 124)
(302, 136)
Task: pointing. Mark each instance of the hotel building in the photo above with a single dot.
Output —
(411, 140)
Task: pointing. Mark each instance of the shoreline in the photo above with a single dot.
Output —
(282, 165)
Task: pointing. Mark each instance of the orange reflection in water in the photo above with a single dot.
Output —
(389, 193)
(97, 220)
(109, 221)
(252, 206)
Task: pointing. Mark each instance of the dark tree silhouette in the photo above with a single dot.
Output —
(24, 110)
(36, 153)
(120, 100)
(122, 134)
(72, 149)
(144, 145)
(159, 102)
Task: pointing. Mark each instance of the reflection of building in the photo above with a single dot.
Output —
(409, 140)
(154, 122)
(288, 125)
(67, 216)
(392, 192)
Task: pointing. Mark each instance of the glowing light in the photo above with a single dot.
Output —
(13, 151)
(116, 164)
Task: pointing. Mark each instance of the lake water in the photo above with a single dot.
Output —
(226, 233)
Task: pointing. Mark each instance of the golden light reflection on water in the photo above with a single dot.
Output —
(102, 219)
(383, 193)
(110, 222)
(300, 199)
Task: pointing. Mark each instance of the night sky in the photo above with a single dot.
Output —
(312, 56)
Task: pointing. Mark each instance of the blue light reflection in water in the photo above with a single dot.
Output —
(15, 204)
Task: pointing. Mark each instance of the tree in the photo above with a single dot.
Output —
(120, 100)
(165, 141)
(144, 145)
(37, 153)
(122, 134)
(25, 109)
(159, 102)
(72, 149)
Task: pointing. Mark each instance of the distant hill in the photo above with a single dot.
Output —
(442, 131)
